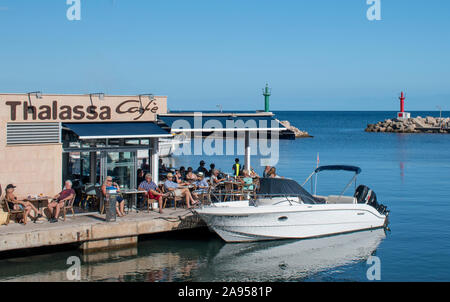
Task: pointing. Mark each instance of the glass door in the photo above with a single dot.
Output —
(121, 166)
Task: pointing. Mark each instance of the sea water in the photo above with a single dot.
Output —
(410, 173)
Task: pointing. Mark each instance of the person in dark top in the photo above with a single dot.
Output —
(183, 172)
(211, 170)
(59, 200)
(202, 168)
(266, 171)
(140, 176)
(144, 165)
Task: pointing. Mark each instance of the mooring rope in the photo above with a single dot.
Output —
(176, 219)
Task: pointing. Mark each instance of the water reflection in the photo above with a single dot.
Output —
(203, 260)
(289, 260)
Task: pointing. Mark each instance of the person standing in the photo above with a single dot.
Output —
(237, 169)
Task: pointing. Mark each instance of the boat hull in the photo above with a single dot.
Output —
(245, 224)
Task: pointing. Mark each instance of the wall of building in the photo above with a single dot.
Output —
(34, 169)
(37, 168)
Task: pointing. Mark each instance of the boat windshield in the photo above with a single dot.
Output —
(284, 187)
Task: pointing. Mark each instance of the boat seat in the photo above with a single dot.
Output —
(335, 199)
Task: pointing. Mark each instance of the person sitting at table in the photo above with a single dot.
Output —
(266, 171)
(17, 205)
(190, 175)
(152, 190)
(109, 185)
(202, 168)
(253, 174)
(211, 170)
(215, 178)
(273, 173)
(201, 185)
(178, 177)
(247, 180)
(183, 172)
(172, 186)
(55, 206)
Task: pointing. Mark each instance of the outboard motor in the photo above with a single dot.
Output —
(364, 194)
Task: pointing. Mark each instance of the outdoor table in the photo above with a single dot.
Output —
(229, 187)
(134, 194)
(39, 200)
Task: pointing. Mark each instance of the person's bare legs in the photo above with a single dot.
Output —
(122, 207)
(25, 215)
(160, 201)
(50, 208)
(189, 199)
(58, 208)
(29, 204)
(186, 197)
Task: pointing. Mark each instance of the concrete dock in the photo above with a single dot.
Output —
(93, 233)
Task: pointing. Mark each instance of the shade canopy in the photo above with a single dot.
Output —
(87, 131)
(284, 187)
(221, 122)
(355, 169)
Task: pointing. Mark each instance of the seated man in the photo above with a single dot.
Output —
(59, 200)
(178, 176)
(152, 190)
(216, 178)
(201, 185)
(172, 186)
(18, 205)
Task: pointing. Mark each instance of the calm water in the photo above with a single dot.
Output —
(409, 172)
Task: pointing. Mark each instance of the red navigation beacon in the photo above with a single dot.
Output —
(402, 114)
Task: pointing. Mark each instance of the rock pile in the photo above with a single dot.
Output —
(412, 125)
(298, 133)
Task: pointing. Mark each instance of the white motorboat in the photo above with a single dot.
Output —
(283, 209)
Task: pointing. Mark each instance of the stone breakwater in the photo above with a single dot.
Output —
(412, 125)
(298, 133)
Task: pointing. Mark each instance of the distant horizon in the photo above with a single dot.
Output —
(315, 55)
(312, 110)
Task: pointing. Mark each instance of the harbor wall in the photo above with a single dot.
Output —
(93, 233)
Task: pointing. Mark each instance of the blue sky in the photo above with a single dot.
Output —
(316, 55)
